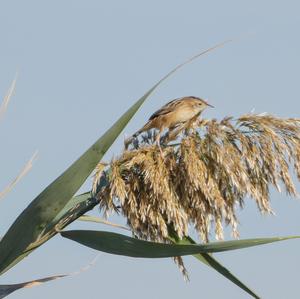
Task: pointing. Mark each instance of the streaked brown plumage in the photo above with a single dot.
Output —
(173, 114)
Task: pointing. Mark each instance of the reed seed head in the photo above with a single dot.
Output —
(201, 180)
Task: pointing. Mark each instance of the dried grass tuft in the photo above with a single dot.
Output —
(204, 177)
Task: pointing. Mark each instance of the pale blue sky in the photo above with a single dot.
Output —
(82, 63)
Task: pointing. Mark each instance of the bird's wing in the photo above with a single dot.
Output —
(167, 108)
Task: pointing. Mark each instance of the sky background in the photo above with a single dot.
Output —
(82, 63)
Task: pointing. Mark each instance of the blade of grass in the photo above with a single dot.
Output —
(22, 173)
(123, 245)
(33, 223)
(211, 261)
(46, 206)
(205, 258)
(88, 218)
(8, 97)
(76, 207)
(7, 289)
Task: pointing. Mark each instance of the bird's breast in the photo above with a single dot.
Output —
(184, 114)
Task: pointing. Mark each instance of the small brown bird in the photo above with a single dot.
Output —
(173, 114)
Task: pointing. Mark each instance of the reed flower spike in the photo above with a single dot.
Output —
(204, 177)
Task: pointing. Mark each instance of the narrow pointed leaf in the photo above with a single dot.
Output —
(22, 173)
(211, 261)
(88, 218)
(7, 98)
(205, 258)
(7, 289)
(123, 245)
(34, 221)
(75, 203)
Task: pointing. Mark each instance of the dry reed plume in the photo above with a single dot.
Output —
(202, 178)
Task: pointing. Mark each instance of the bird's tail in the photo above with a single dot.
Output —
(146, 127)
(129, 140)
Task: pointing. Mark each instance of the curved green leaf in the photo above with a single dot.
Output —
(34, 221)
(123, 245)
(205, 258)
(211, 261)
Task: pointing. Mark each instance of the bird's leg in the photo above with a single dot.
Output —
(127, 142)
(157, 140)
(192, 123)
(176, 131)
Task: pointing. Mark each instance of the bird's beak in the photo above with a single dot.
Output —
(207, 104)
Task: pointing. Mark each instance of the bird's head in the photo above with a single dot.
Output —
(199, 104)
